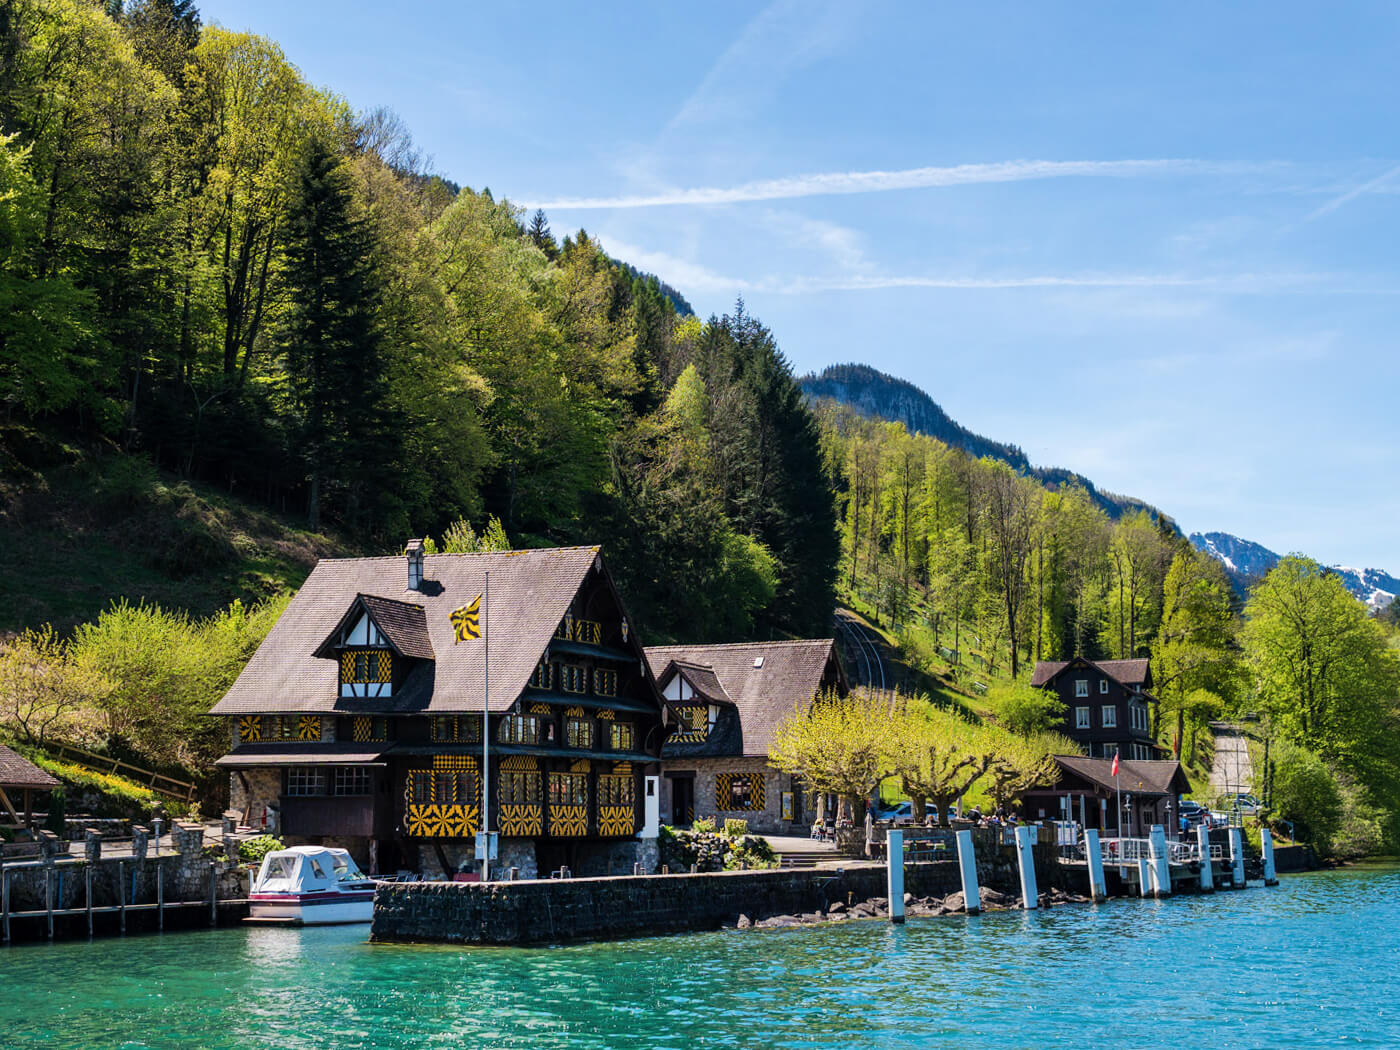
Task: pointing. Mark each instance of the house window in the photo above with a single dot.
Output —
(456, 729)
(1110, 716)
(1081, 718)
(1081, 687)
(738, 791)
(517, 788)
(572, 678)
(568, 789)
(352, 780)
(578, 732)
(444, 787)
(1103, 686)
(1109, 750)
(621, 736)
(615, 789)
(519, 729)
(604, 682)
(367, 729)
(366, 672)
(543, 676)
(306, 780)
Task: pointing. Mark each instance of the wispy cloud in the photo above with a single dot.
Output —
(847, 182)
(1370, 186)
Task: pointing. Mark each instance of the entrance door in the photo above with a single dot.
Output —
(682, 801)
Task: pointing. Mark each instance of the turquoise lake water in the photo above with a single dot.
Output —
(1314, 962)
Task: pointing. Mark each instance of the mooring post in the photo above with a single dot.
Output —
(88, 873)
(967, 865)
(1161, 864)
(1207, 870)
(160, 896)
(1025, 849)
(213, 896)
(1266, 847)
(894, 865)
(1144, 877)
(48, 895)
(121, 894)
(1237, 858)
(1093, 850)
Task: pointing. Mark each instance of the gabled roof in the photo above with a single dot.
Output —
(530, 592)
(1130, 673)
(787, 679)
(404, 626)
(1140, 777)
(16, 771)
(702, 679)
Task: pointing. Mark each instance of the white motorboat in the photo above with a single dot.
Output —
(310, 886)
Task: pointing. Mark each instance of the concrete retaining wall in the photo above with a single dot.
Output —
(603, 909)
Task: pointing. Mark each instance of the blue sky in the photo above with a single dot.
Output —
(1151, 243)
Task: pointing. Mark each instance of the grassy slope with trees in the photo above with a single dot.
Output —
(242, 327)
(979, 571)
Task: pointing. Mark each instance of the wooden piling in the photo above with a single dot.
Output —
(1093, 852)
(894, 865)
(1207, 869)
(967, 864)
(1025, 850)
(88, 873)
(48, 897)
(160, 896)
(121, 894)
(213, 895)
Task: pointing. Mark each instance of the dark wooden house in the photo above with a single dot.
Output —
(1087, 792)
(359, 720)
(1108, 705)
(728, 699)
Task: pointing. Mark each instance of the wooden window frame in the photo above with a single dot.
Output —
(579, 732)
(518, 729)
(617, 789)
(604, 681)
(568, 789)
(519, 787)
(616, 730)
(1108, 716)
(1082, 718)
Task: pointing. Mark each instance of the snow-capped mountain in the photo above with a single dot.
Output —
(1246, 562)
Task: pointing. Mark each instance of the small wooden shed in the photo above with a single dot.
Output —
(21, 775)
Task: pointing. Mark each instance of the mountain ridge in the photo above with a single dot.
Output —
(1246, 561)
(879, 395)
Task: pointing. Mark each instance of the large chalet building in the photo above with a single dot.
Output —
(728, 700)
(359, 720)
(1108, 705)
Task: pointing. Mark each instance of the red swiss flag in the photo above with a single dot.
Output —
(1115, 765)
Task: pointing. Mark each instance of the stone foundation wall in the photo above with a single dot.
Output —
(601, 908)
(250, 802)
(765, 821)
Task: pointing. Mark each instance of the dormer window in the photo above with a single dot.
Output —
(366, 672)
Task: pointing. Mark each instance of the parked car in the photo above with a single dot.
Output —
(1245, 803)
(903, 813)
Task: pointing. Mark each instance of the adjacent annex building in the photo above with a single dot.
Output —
(359, 720)
(1108, 705)
(728, 700)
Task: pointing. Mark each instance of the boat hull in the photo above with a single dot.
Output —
(312, 909)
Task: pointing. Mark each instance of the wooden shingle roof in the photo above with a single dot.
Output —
(767, 681)
(16, 771)
(702, 679)
(1139, 777)
(1131, 673)
(530, 592)
(403, 624)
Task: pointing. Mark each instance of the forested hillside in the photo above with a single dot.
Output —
(215, 268)
(881, 396)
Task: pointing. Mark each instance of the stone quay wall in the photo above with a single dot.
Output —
(556, 910)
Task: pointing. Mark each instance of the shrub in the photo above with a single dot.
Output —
(253, 851)
(734, 828)
(705, 825)
(706, 851)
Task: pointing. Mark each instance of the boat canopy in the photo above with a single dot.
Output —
(306, 869)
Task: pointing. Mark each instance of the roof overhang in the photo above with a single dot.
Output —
(303, 755)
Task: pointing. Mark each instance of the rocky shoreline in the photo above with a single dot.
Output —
(914, 908)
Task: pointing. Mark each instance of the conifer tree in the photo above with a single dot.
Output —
(333, 338)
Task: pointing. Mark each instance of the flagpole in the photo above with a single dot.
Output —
(486, 736)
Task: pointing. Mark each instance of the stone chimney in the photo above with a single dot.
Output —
(414, 550)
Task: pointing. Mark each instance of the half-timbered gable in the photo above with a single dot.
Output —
(726, 702)
(390, 715)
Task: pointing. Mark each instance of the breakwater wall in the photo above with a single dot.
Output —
(548, 911)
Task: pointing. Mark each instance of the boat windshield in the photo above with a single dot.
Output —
(346, 870)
